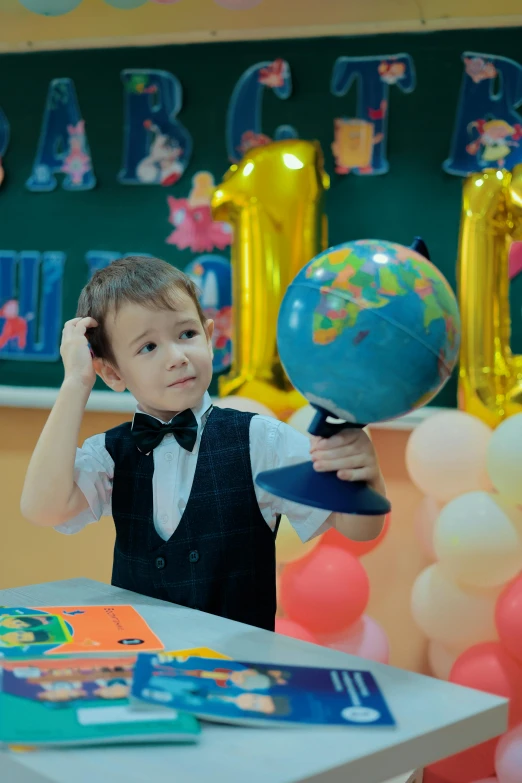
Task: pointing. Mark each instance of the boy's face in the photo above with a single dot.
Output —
(18, 637)
(163, 357)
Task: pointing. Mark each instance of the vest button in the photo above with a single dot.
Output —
(160, 562)
(194, 556)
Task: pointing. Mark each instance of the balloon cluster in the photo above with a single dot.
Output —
(468, 601)
(323, 587)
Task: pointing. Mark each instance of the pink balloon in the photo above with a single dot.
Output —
(487, 780)
(326, 590)
(508, 617)
(288, 628)
(508, 758)
(365, 638)
(238, 5)
(424, 520)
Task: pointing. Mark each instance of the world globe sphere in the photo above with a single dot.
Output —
(368, 331)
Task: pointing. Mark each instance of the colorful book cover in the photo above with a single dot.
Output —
(69, 630)
(260, 693)
(80, 701)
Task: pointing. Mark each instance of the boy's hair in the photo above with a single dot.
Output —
(32, 622)
(41, 636)
(142, 280)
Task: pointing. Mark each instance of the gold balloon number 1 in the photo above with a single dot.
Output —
(274, 200)
(490, 383)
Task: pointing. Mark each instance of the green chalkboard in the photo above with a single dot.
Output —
(415, 198)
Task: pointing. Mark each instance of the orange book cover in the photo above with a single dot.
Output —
(68, 630)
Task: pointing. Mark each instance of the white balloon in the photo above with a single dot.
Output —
(446, 455)
(477, 540)
(452, 614)
(51, 7)
(243, 404)
(441, 659)
(504, 458)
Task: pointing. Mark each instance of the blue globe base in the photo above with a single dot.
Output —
(303, 484)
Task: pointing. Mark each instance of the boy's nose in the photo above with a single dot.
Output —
(176, 356)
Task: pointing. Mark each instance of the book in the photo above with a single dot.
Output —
(80, 701)
(66, 630)
(259, 694)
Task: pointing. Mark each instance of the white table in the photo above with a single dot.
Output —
(434, 719)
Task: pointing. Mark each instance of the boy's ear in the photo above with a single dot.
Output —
(209, 329)
(109, 375)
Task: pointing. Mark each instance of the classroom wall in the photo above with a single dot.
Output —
(96, 23)
(29, 554)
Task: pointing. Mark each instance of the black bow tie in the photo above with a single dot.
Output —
(148, 432)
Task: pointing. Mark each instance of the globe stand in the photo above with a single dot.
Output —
(303, 484)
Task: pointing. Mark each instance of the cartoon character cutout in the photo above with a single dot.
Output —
(77, 162)
(479, 69)
(162, 165)
(250, 140)
(194, 227)
(259, 679)
(167, 689)
(275, 74)
(14, 330)
(494, 140)
(391, 72)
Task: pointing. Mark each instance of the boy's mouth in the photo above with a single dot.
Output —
(182, 382)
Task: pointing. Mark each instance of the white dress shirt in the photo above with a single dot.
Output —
(273, 444)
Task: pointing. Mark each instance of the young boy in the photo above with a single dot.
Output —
(192, 527)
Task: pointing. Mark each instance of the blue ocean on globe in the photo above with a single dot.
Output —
(368, 331)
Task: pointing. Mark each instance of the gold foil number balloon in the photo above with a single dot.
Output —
(274, 200)
(490, 384)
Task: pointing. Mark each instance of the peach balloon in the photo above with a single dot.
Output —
(441, 659)
(302, 418)
(504, 458)
(452, 614)
(243, 404)
(288, 544)
(424, 520)
(478, 541)
(446, 455)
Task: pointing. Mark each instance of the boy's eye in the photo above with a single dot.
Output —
(188, 334)
(147, 348)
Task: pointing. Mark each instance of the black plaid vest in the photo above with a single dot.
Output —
(221, 557)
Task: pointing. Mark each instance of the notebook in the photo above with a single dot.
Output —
(80, 701)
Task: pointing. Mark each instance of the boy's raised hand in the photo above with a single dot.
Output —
(75, 352)
(350, 453)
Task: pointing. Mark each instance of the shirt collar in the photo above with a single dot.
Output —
(200, 411)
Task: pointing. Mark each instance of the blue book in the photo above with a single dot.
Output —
(259, 694)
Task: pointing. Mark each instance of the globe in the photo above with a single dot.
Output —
(368, 331)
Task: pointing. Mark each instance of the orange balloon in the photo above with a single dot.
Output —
(358, 548)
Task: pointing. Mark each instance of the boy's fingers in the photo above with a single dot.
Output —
(357, 474)
(340, 463)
